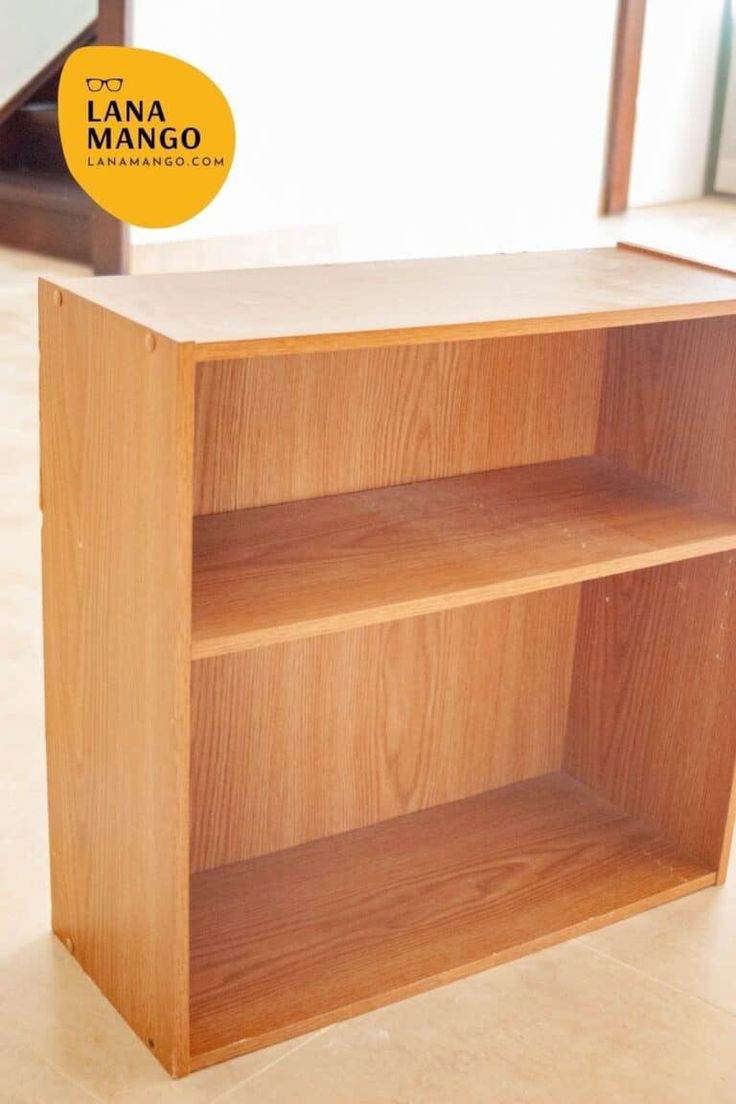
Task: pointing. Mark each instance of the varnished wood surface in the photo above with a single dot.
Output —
(286, 572)
(317, 737)
(624, 90)
(272, 430)
(653, 714)
(668, 406)
(292, 941)
(269, 311)
(653, 707)
(116, 436)
(337, 682)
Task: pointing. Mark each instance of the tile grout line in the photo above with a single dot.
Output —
(71, 1080)
(651, 977)
(300, 1044)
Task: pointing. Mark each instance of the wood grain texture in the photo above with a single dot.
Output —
(308, 614)
(653, 708)
(116, 444)
(289, 942)
(318, 737)
(624, 89)
(653, 720)
(319, 307)
(668, 407)
(286, 572)
(276, 430)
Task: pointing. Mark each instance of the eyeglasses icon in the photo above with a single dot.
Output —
(112, 84)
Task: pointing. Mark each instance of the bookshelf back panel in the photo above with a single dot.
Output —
(309, 739)
(278, 429)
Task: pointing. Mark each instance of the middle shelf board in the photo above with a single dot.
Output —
(278, 573)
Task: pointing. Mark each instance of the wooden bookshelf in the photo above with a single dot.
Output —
(390, 624)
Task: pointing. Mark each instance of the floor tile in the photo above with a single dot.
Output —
(690, 944)
(564, 1026)
(50, 1008)
(27, 1078)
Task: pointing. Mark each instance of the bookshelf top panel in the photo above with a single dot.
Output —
(303, 309)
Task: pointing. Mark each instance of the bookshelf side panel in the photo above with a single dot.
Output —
(668, 405)
(116, 459)
(666, 746)
(652, 723)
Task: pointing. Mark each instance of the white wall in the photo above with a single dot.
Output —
(32, 33)
(399, 127)
(675, 100)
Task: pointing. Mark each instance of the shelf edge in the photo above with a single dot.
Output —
(219, 644)
(281, 345)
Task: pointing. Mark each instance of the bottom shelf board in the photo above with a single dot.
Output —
(287, 942)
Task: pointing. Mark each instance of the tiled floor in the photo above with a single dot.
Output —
(644, 1011)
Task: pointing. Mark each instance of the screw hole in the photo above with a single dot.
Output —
(151, 1044)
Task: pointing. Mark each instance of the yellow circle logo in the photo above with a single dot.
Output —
(146, 135)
